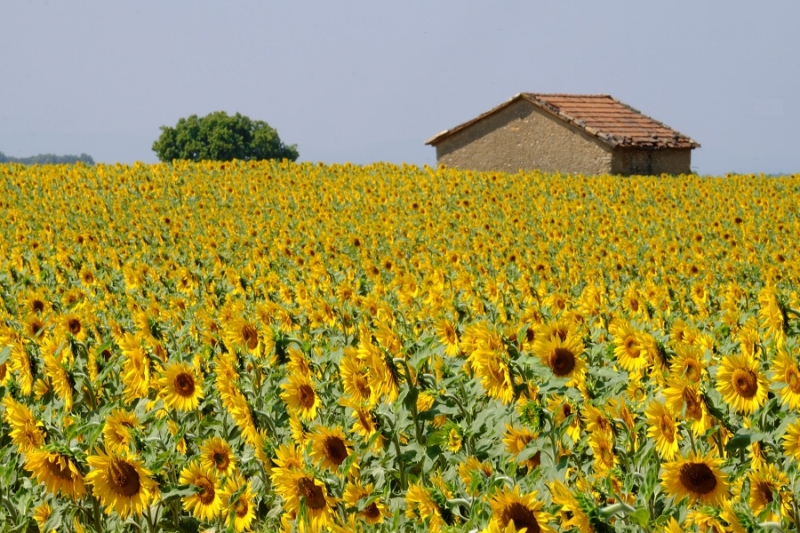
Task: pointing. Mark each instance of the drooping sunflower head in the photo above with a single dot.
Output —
(663, 427)
(787, 376)
(181, 387)
(242, 510)
(243, 335)
(59, 473)
(688, 363)
(117, 434)
(696, 477)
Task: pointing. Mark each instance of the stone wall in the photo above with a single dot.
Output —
(651, 162)
(522, 136)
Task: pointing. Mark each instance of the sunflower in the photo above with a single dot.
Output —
(696, 477)
(596, 420)
(420, 505)
(791, 441)
(329, 447)
(372, 514)
(117, 430)
(59, 379)
(301, 397)
(121, 483)
(40, 514)
(289, 457)
(34, 326)
(563, 357)
(74, 325)
(787, 378)
(742, 386)
(495, 374)
(181, 387)
(602, 446)
(243, 335)
(26, 432)
(447, 336)
(206, 503)
(242, 511)
(58, 472)
(572, 513)
(216, 456)
(629, 349)
(766, 485)
(672, 526)
(525, 511)
(562, 410)
(355, 377)
(296, 486)
(663, 428)
(517, 440)
(684, 398)
(688, 363)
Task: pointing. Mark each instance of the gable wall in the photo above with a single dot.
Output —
(522, 136)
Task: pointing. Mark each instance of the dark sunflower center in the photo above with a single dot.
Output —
(58, 468)
(371, 512)
(693, 409)
(221, 460)
(2, 371)
(206, 493)
(306, 396)
(566, 410)
(335, 450)
(36, 327)
(793, 379)
(632, 347)
(38, 306)
(667, 428)
(634, 305)
(250, 336)
(123, 478)
(450, 333)
(315, 499)
(745, 382)
(692, 371)
(522, 516)
(242, 506)
(562, 361)
(530, 335)
(765, 491)
(698, 478)
(74, 326)
(184, 384)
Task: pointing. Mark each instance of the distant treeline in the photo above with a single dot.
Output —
(48, 159)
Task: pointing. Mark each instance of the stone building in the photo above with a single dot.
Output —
(587, 134)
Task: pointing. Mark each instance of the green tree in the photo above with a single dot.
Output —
(220, 137)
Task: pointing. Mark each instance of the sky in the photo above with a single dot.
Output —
(365, 81)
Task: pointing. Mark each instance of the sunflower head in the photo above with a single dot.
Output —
(181, 386)
(696, 477)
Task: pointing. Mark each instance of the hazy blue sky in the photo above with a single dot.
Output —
(365, 81)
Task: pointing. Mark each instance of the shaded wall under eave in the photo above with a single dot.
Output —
(522, 136)
(630, 161)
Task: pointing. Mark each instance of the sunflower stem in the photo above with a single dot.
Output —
(691, 439)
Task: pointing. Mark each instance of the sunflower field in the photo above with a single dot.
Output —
(228, 347)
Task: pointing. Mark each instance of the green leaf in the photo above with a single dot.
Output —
(742, 439)
(178, 493)
(640, 517)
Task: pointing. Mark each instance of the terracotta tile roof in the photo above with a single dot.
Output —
(600, 115)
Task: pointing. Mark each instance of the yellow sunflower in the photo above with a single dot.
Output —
(375, 512)
(420, 505)
(26, 432)
(243, 335)
(40, 514)
(562, 409)
(688, 363)
(563, 357)
(664, 429)
(525, 511)
(766, 485)
(741, 384)
(572, 514)
(121, 483)
(117, 430)
(447, 336)
(289, 457)
(216, 456)
(517, 440)
(206, 503)
(791, 441)
(242, 510)
(296, 486)
(786, 376)
(629, 350)
(685, 400)
(330, 447)
(355, 377)
(696, 477)
(301, 397)
(602, 446)
(181, 386)
(58, 472)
